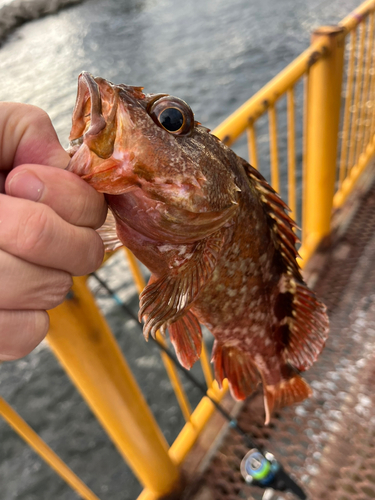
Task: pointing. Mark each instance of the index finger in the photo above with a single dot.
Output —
(27, 136)
(68, 195)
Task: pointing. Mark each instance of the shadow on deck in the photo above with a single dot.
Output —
(328, 442)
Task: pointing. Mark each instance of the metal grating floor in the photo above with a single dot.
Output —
(327, 442)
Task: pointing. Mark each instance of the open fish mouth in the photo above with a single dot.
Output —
(93, 117)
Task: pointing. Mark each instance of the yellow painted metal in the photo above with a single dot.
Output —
(349, 182)
(175, 381)
(236, 123)
(291, 154)
(42, 449)
(252, 142)
(206, 368)
(357, 91)
(370, 98)
(192, 429)
(82, 341)
(136, 272)
(274, 150)
(348, 105)
(356, 17)
(304, 161)
(324, 101)
(372, 126)
(364, 96)
(169, 366)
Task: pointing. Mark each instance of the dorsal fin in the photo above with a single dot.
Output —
(302, 327)
(282, 225)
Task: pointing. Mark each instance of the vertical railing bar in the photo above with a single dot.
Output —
(169, 366)
(206, 368)
(372, 95)
(252, 145)
(358, 83)
(43, 450)
(304, 156)
(348, 104)
(366, 68)
(291, 153)
(175, 381)
(370, 109)
(275, 180)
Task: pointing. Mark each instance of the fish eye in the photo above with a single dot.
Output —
(173, 114)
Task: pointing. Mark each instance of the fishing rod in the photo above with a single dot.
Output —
(258, 467)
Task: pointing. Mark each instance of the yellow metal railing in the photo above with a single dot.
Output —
(337, 142)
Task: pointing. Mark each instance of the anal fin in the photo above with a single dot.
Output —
(186, 338)
(285, 393)
(235, 365)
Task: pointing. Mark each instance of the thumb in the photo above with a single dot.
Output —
(27, 136)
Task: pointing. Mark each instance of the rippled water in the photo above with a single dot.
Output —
(213, 54)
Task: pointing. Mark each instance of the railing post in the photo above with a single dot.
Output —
(85, 346)
(323, 116)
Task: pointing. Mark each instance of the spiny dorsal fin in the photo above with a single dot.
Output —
(165, 299)
(282, 225)
(108, 233)
(303, 325)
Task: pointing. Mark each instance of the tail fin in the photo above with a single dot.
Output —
(285, 393)
(235, 365)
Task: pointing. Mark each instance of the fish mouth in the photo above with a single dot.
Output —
(94, 116)
(93, 137)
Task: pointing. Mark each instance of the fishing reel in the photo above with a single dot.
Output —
(265, 471)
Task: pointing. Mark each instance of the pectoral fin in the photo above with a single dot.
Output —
(108, 233)
(165, 299)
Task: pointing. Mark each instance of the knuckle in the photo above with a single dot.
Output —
(79, 209)
(95, 253)
(99, 251)
(58, 290)
(38, 115)
(34, 229)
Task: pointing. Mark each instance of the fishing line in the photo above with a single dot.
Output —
(258, 467)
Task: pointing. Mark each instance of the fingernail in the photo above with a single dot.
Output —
(25, 185)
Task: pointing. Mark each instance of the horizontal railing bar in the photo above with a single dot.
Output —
(356, 17)
(237, 122)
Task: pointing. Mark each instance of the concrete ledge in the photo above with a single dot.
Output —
(19, 12)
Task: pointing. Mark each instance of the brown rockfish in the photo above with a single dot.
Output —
(215, 236)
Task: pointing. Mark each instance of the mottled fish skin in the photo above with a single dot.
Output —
(215, 236)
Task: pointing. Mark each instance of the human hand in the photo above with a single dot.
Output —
(48, 218)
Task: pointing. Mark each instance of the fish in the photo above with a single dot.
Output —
(216, 237)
